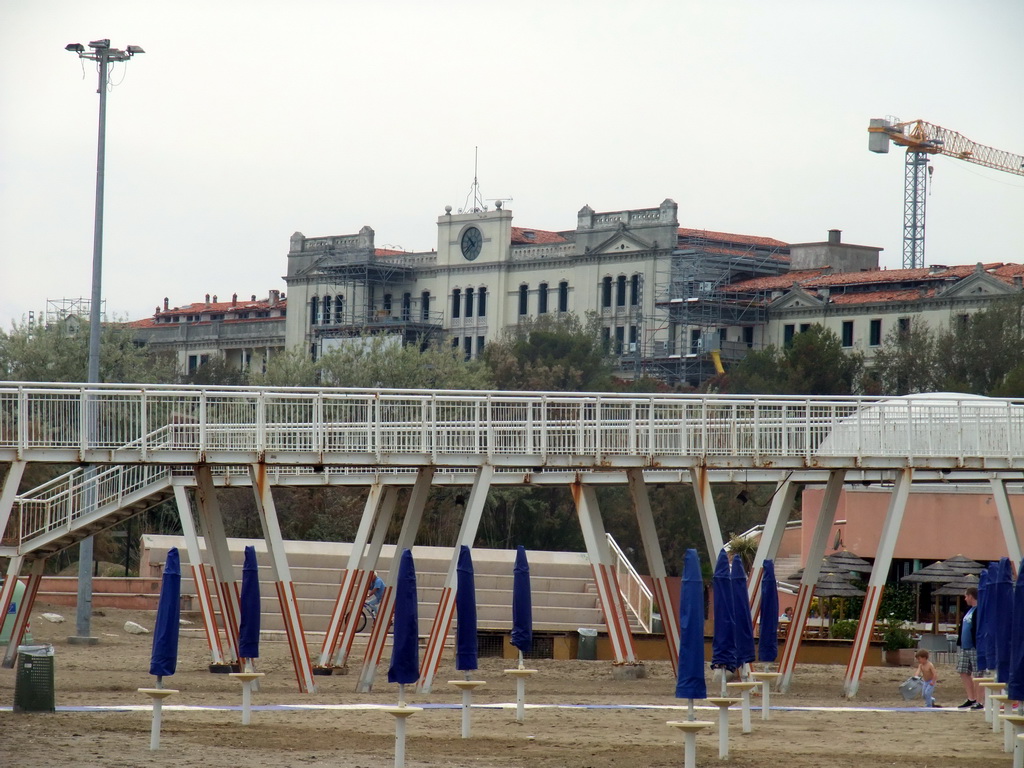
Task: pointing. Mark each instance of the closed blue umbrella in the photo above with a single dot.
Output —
(465, 606)
(690, 682)
(249, 607)
(768, 643)
(1001, 595)
(164, 659)
(1015, 687)
(742, 622)
(981, 623)
(405, 657)
(723, 640)
(522, 608)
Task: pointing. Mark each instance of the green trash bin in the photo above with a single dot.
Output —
(588, 644)
(33, 682)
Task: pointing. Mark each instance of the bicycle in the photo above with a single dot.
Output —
(367, 614)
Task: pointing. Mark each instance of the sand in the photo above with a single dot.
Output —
(877, 732)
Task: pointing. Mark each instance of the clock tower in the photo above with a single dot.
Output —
(473, 239)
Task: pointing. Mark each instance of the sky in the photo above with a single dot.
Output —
(246, 121)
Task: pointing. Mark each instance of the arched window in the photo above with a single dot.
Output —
(524, 299)
(542, 299)
(406, 306)
(456, 302)
(606, 293)
(620, 291)
(469, 302)
(327, 310)
(481, 303)
(634, 291)
(339, 308)
(314, 311)
(387, 303)
(563, 296)
(425, 305)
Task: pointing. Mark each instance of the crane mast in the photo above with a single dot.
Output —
(921, 140)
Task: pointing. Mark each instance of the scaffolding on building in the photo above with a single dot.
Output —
(689, 342)
(62, 310)
(366, 292)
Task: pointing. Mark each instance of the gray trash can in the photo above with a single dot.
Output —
(588, 644)
(33, 682)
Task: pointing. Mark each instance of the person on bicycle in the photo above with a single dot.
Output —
(375, 592)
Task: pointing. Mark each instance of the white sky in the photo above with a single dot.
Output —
(248, 120)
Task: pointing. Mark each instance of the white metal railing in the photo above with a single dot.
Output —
(638, 597)
(128, 422)
(60, 503)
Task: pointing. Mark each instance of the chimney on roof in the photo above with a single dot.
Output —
(207, 300)
(234, 299)
(215, 298)
(165, 303)
(272, 302)
(157, 311)
(834, 236)
(254, 297)
(1018, 282)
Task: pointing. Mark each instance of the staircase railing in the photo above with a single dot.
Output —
(638, 597)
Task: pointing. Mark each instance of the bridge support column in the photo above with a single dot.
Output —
(220, 557)
(282, 577)
(655, 562)
(612, 605)
(361, 577)
(24, 611)
(1006, 520)
(876, 582)
(406, 538)
(7, 495)
(771, 538)
(199, 577)
(826, 517)
(446, 604)
(706, 509)
(350, 574)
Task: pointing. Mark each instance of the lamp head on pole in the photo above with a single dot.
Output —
(74, 47)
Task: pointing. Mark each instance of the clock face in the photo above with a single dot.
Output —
(472, 242)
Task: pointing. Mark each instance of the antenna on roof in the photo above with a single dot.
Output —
(477, 205)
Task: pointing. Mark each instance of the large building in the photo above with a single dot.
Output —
(673, 302)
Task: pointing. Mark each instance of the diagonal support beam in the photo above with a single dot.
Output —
(771, 538)
(1006, 521)
(876, 582)
(655, 562)
(812, 568)
(282, 577)
(24, 611)
(612, 605)
(701, 482)
(216, 539)
(202, 583)
(12, 481)
(446, 604)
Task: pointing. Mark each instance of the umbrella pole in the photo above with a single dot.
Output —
(690, 715)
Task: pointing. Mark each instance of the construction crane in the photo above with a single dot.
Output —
(921, 140)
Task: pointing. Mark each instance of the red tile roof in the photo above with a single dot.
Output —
(923, 274)
(774, 282)
(219, 307)
(871, 297)
(726, 237)
(387, 252)
(525, 236)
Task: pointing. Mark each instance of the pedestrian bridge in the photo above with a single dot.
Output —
(163, 442)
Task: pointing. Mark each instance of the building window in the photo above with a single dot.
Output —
(620, 291)
(193, 363)
(962, 321)
(456, 302)
(314, 311)
(634, 291)
(524, 299)
(606, 292)
(876, 333)
(479, 345)
(406, 306)
(455, 342)
(632, 338)
(425, 305)
(481, 302)
(695, 341)
(339, 308)
(563, 296)
(606, 338)
(387, 303)
(327, 310)
(847, 333)
(787, 334)
(748, 335)
(903, 326)
(620, 338)
(542, 299)
(468, 347)
(804, 327)
(469, 302)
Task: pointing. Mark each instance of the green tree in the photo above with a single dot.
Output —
(289, 368)
(907, 363)
(59, 351)
(978, 354)
(382, 361)
(551, 353)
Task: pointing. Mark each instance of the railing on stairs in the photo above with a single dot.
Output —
(638, 597)
(61, 502)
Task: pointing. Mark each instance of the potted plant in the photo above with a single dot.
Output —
(898, 644)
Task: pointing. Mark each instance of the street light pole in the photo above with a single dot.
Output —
(103, 55)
